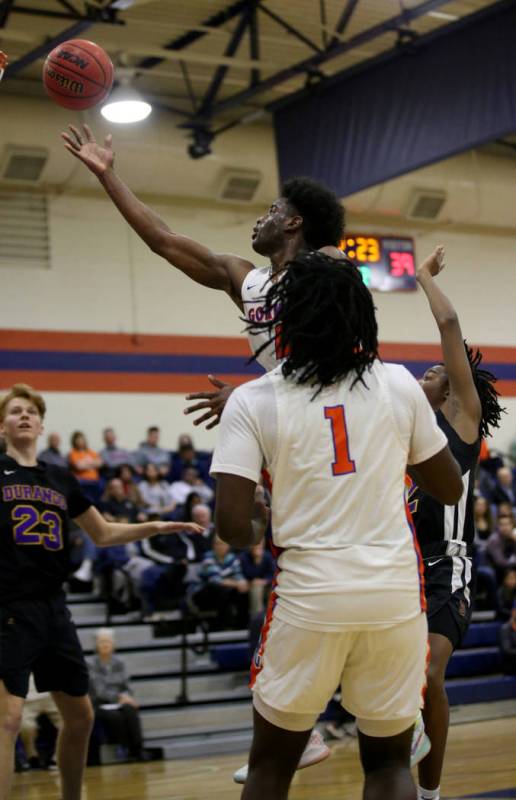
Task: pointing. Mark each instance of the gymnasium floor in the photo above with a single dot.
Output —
(481, 763)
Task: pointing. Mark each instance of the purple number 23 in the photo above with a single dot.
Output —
(27, 519)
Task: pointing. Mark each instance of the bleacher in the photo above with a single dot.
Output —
(193, 687)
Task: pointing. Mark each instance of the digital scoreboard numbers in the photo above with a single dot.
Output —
(387, 263)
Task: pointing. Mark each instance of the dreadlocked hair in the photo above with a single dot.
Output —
(321, 315)
(484, 383)
(322, 212)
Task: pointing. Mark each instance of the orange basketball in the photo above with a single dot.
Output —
(78, 74)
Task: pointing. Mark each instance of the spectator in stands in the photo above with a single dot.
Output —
(508, 644)
(117, 507)
(149, 452)
(112, 698)
(222, 588)
(258, 569)
(504, 509)
(483, 521)
(112, 456)
(191, 482)
(84, 463)
(126, 473)
(52, 454)
(501, 546)
(202, 515)
(184, 511)
(186, 456)
(156, 493)
(507, 594)
(83, 553)
(38, 704)
(505, 487)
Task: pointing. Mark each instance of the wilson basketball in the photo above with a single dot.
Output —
(78, 74)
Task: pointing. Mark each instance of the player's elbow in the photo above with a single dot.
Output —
(448, 321)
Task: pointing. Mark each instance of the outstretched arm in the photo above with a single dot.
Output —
(106, 534)
(464, 404)
(217, 271)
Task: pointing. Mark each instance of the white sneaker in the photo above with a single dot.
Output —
(420, 742)
(315, 752)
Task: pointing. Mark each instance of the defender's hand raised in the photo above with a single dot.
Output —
(432, 265)
(83, 146)
(214, 402)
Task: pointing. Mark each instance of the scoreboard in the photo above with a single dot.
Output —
(387, 263)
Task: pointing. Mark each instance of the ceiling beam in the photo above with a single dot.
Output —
(191, 36)
(305, 66)
(6, 7)
(290, 29)
(254, 47)
(342, 24)
(69, 33)
(233, 45)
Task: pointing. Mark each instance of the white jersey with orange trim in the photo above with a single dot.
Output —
(254, 291)
(337, 462)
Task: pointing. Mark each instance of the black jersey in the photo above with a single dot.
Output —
(36, 504)
(451, 525)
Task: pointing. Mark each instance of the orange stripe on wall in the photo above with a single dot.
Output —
(124, 382)
(84, 342)
(400, 351)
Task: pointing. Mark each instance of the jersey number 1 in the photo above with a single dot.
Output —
(343, 465)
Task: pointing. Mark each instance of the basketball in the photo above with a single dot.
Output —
(78, 74)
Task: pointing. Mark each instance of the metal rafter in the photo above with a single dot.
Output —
(254, 47)
(70, 7)
(309, 64)
(69, 33)
(345, 17)
(98, 16)
(233, 45)
(5, 9)
(290, 29)
(188, 38)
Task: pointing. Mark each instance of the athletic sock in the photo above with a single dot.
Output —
(428, 794)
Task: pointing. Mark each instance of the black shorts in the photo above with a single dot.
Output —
(449, 607)
(39, 636)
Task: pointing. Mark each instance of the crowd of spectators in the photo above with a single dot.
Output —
(198, 572)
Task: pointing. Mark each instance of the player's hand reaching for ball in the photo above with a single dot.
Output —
(213, 401)
(432, 265)
(82, 144)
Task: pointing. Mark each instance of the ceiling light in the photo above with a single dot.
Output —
(125, 105)
(442, 15)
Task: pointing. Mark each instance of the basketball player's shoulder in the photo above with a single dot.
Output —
(254, 281)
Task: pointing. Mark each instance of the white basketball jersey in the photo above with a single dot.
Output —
(254, 291)
(337, 461)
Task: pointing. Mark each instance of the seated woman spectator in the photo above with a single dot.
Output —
(127, 474)
(483, 520)
(156, 493)
(184, 512)
(258, 570)
(191, 482)
(116, 507)
(222, 588)
(202, 515)
(115, 707)
(85, 465)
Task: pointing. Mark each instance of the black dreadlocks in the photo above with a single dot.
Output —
(322, 212)
(324, 318)
(484, 383)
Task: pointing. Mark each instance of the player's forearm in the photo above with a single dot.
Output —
(142, 219)
(442, 309)
(124, 533)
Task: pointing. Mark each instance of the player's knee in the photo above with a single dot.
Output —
(81, 722)
(11, 720)
(435, 675)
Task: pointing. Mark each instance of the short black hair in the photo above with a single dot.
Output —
(321, 209)
(325, 319)
(153, 429)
